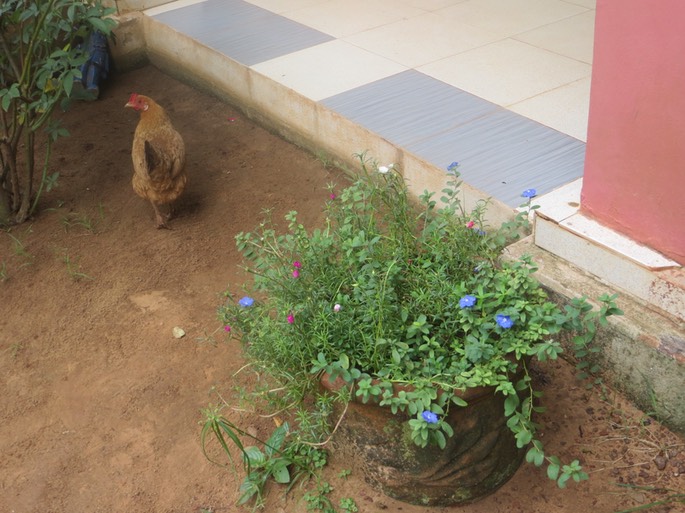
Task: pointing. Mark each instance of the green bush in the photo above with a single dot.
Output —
(39, 67)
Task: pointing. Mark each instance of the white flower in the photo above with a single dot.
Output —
(383, 169)
(337, 307)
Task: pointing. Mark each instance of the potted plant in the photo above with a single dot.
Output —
(408, 307)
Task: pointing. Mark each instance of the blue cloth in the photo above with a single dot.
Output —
(96, 68)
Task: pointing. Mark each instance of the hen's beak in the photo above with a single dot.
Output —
(128, 104)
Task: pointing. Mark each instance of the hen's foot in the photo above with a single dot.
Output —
(161, 219)
(161, 223)
(170, 213)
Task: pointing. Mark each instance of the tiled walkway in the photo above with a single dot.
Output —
(502, 86)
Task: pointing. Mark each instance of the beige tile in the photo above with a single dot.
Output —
(572, 37)
(565, 108)
(342, 18)
(506, 18)
(507, 71)
(327, 69)
(421, 39)
(282, 6)
(431, 5)
(590, 4)
(561, 203)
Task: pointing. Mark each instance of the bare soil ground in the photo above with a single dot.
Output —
(100, 404)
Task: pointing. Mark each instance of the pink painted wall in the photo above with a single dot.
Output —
(634, 180)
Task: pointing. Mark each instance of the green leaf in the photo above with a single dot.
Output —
(447, 429)
(510, 404)
(6, 101)
(8, 95)
(579, 476)
(553, 471)
(276, 439)
(474, 349)
(51, 181)
(523, 438)
(253, 456)
(68, 83)
(104, 26)
(440, 439)
(280, 472)
(249, 488)
(539, 458)
(535, 455)
(561, 482)
(459, 401)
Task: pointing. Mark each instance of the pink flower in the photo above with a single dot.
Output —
(332, 196)
(470, 224)
(291, 318)
(296, 273)
(297, 264)
(227, 328)
(336, 307)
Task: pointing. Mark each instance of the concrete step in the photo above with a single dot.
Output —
(613, 258)
(642, 352)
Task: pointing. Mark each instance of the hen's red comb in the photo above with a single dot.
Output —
(133, 98)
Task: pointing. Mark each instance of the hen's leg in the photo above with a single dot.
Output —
(161, 223)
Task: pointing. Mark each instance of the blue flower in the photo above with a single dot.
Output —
(467, 301)
(246, 301)
(430, 417)
(504, 321)
(529, 193)
(452, 168)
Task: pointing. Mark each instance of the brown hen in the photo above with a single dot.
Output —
(158, 157)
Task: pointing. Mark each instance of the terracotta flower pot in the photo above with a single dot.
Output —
(479, 458)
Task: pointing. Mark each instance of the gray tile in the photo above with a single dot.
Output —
(408, 107)
(503, 153)
(500, 152)
(242, 31)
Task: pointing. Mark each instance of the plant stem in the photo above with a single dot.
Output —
(48, 150)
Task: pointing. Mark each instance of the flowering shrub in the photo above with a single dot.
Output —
(391, 291)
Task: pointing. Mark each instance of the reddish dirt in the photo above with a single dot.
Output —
(100, 404)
